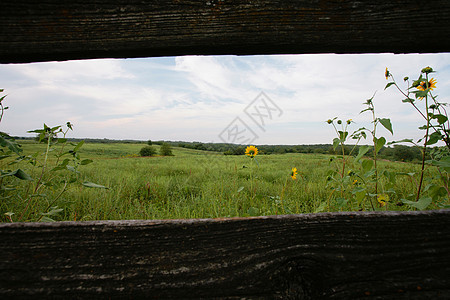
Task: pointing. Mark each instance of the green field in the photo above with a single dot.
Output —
(190, 184)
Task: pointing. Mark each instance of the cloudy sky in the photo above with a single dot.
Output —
(283, 99)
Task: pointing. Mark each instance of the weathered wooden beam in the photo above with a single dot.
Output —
(392, 255)
(74, 29)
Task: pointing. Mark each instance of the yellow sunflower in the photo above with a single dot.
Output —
(383, 199)
(294, 173)
(431, 85)
(251, 151)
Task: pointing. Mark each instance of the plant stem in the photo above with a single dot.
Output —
(38, 183)
(281, 196)
(424, 152)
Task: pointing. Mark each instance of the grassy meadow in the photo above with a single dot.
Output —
(194, 184)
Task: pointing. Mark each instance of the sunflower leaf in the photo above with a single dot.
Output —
(389, 84)
(379, 143)
(362, 150)
(387, 124)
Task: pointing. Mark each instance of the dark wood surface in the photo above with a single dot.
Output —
(324, 256)
(72, 29)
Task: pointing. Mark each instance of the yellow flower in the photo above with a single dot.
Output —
(431, 85)
(294, 173)
(355, 181)
(251, 151)
(386, 73)
(383, 199)
(349, 121)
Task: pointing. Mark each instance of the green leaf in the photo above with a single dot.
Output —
(53, 129)
(401, 141)
(387, 124)
(422, 204)
(336, 143)
(19, 174)
(62, 165)
(389, 84)
(253, 211)
(367, 165)
(341, 201)
(46, 219)
(321, 207)
(443, 163)
(53, 212)
(343, 135)
(379, 143)
(256, 161)
(360, 195)
(441, 119)
(406, 174)
(13, 146)
(389, 175)
(78, 146)
(366, 109)
(22, 175)
(434, 138)
(240, 189)
(36, 131)
(420, 94)
(86, 161)
(408, 100)
(93, 185)
(362, 150)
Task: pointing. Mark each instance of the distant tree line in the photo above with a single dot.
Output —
(396, 152)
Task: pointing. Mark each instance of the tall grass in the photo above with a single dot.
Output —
(196, 184)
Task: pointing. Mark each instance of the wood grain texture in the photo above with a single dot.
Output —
(33, 31)
(324, 256)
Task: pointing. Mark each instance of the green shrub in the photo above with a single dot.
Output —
(147, 151)
(165, 150)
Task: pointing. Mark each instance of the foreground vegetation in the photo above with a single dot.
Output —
(195, 184)
(43, 182)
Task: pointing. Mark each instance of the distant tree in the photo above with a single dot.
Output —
(165, 150)
(403, 153)
(147, 151)
(149, 142)
(228, 152)
(240, 150)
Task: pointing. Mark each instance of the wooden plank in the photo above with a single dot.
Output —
(33, 31)
(392, 255)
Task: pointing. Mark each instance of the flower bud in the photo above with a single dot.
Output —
(427, 70)
(329, 121)
(406, 78)
(339, 122)
(416, 83)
